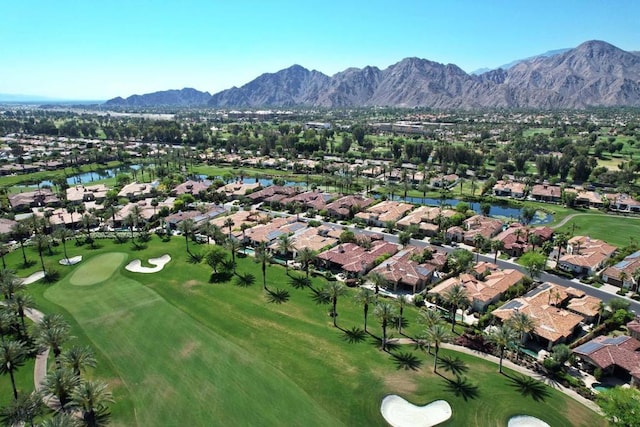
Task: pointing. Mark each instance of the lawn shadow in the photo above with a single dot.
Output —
(462, 387)
(407, 361)
(279, 296)
(528, 386)
(220, 276)
(353, 335)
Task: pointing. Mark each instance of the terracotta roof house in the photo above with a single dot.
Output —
(477, 224)
(585, 255)
(6, 225)
(511, 189)
(444, 181)
(589, 198)
(313, 199)
(622, 274)
(354, 259)
(251, 218)
(347, 206)
(271, 191)
(81, 193)
(315, 238)
(546, 193)
(482, 291)
(618, 356)
(383, 212)
(634, 328)
(515, 238)
(401, 271)
(272, 230)
(555, 325)
(191, 187)
(624, 203)
(426, 218)
(33, 199)
(136, 190)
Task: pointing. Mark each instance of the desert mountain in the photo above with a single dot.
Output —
(184, 97)
(592, 74)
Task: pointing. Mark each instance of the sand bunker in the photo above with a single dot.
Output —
(159, 263)
(400, 413)
(526, 421)
(71, 261)
(33, 278)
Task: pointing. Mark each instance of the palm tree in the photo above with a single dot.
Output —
(60, 383)
(41, 241)
(456, 297)
(21, 232)
(365, 297)
(401, 301)
(427, 318)
(285, 245)
(436, 335)
(92, 398)
(496, 246)
(19, 304)
(78, 359)
(53, 331)
(10, 284)
(229, 223)
(523, 324)
(306, 257)
(208, 230)
(263, 257)
(61, 419)
(186, 228)
(502, 336)
(478, 242)
(386, 313)
(12, 355)
(561, 241)
(23, 410)
(62, 234)
(88, 220)
(6, 323)
(233, 245)
(334, 290)
(378, 280)
(602, 307)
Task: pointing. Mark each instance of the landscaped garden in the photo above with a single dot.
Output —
(178, 349)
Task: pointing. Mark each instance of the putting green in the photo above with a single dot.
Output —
(98, 269)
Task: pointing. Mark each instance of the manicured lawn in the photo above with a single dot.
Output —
(178, 350)
(616, 230)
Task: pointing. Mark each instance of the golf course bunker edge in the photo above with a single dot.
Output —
(97, 269)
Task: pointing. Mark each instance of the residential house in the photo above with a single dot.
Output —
(554, 324)
(477, 224)
(33, 199)
(6, 225)
(634, 327)
(191, 187)
(354, 259)
(238, 189)
(585, 305)
(136, 191)
(585, 255)
(623, 203)
(624, 273)
(444, 181)
(618, 356)
(317, 239)
(402, 271)
(483, 290)
(383, 212)
(90, 193)
(272, 193)
(426, 218)
(515, 238)
(513, 189)
(546, 193)
(314, 199)
(347, 206)
(269, 233)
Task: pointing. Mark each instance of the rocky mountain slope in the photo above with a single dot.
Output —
(593, 74)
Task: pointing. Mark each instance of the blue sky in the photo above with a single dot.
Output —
(99, 49)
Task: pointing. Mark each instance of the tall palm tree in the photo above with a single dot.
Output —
(6, 323)
(19, 304)
(208, 230)
(228, 222)
(186, 227)
(306, 257)
(427, 318)
(522, 324)
(23, 410)
(436, 335)
(61, 419)
(78, 359)
(53, 331)
(60, 383)
(333, 291)
(21, 232)
(401, 302)
(478, 242)
(41, 241)
(496, 246)
(502, 336)
(233, 245)
(88, 220)
(561, 240)
(285, 245)
(386, 313)
(365, 297)
(378, 280)
(62, 234)
(12, 355)
(263, 257)
(10, 284)
(456, 297)
(92, 397)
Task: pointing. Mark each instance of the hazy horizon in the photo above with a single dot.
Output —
(97, 51)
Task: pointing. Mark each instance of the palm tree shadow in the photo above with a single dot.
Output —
(390, 347)
(528, 386)
(407, 361)
(279, 296)
(353, 335)
(461, 387)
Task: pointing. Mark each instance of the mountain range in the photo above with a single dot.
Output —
(595, 73)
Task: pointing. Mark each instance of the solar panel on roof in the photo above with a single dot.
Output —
(614, 340)
(274, 234)
(622, 264)
(589, 347)
(512, 305)
(634, 255)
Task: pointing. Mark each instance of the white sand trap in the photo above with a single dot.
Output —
(71, 261)
(526, 421)
(33, 278)
(159, 263)
(400, 413)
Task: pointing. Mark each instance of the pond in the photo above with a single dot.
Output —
(88, 177)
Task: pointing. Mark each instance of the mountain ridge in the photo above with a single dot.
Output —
(595, 73)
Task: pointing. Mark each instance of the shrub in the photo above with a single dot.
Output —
(418, 300)
(597, 373)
